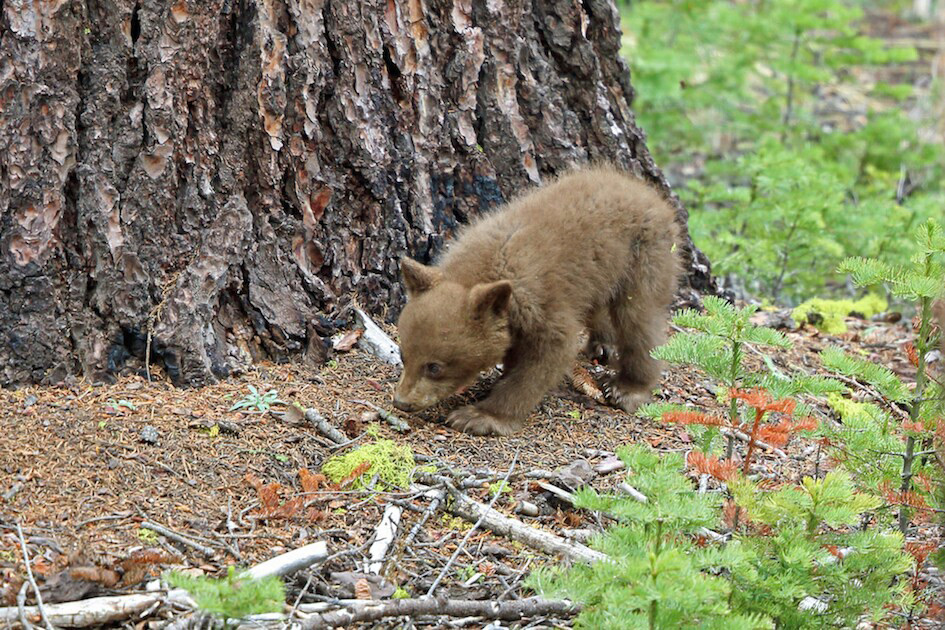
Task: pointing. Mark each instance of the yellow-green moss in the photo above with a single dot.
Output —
(832, 312)
(849, 409)
(391, 463)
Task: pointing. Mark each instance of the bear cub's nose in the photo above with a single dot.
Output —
(404, 406)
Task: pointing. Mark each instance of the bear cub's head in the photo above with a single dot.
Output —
(449, 333)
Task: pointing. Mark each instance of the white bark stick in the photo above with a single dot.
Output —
(383, 538)
(376, 341)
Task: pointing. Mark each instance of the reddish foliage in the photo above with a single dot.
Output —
(760, 399)
(100, 575)
(721, 470)
(909, 498)
(311, 482)
(270, 504)
(361, 468)
(834, 551)
(920, 551)
(731, 512)
(693, 417)
(912, 353)
(913, 427)
(776, 434)
(808, 423)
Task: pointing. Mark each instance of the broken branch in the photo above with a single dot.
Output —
(506, 611)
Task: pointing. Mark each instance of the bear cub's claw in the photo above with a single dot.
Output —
(477, 422)
(626, 398)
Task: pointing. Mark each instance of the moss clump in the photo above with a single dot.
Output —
(391, 463)
(828, 314)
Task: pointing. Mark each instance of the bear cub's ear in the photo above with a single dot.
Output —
(417, 277)
(491, 300)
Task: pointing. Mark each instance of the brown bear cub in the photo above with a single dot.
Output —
(594, 250)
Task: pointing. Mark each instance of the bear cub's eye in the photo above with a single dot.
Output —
(433, 370)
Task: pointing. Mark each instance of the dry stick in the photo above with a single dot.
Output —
(324, 427)
(32, 580)
(21, 606)
(394, 421)
(475, 526)
(470, 510)
(167, 533)
(384, 537)
(744, 437)
(506, 611)
(437, 496)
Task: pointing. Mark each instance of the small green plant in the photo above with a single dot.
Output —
(795, 561)
(147, 535)
(390, 463)
(254, 401)
(499, 487)
(659, 577)
(813, 569)
(922, 283)
(234, 596)
(400, 593)
(785, 192)
(722, 336)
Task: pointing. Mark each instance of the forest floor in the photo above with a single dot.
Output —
(83, 466)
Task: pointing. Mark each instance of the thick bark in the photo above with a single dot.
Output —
(219, 177)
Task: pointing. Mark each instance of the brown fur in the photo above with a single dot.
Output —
(594, 249)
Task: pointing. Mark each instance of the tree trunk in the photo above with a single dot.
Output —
(208, 182)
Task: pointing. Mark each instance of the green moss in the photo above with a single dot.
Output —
(391, 463)
(849, 410)
(829, 314)
(400, 593)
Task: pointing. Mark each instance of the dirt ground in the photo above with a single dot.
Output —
(83, 466)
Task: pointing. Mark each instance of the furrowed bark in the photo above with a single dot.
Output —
(209, 183)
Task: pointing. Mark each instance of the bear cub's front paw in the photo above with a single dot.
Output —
(477, 422)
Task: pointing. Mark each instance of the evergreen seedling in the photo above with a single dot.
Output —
(233, 597)
(658, 576)
(805, 565)
(717, 347)
(922, 282)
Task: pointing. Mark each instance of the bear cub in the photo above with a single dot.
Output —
(595, 250)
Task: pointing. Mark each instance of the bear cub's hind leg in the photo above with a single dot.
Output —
(638, 328)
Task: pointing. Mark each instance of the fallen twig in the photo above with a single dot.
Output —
(384, 536)
(291, 561)
(744, 437)
(376, 341)
(376, 610)
(92, 612)
(103, 610)
(167, 533)
(32, 582)
(635, 494)
(324, 427)
(436, 496)
(482, 517)
(394, 421)
(465, 507)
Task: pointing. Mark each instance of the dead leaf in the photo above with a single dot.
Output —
(105, 577)
(311, 482)
(346, 341)
(294, 414)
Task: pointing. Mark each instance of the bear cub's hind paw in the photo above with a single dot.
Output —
(475, 421)
(624, 397)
